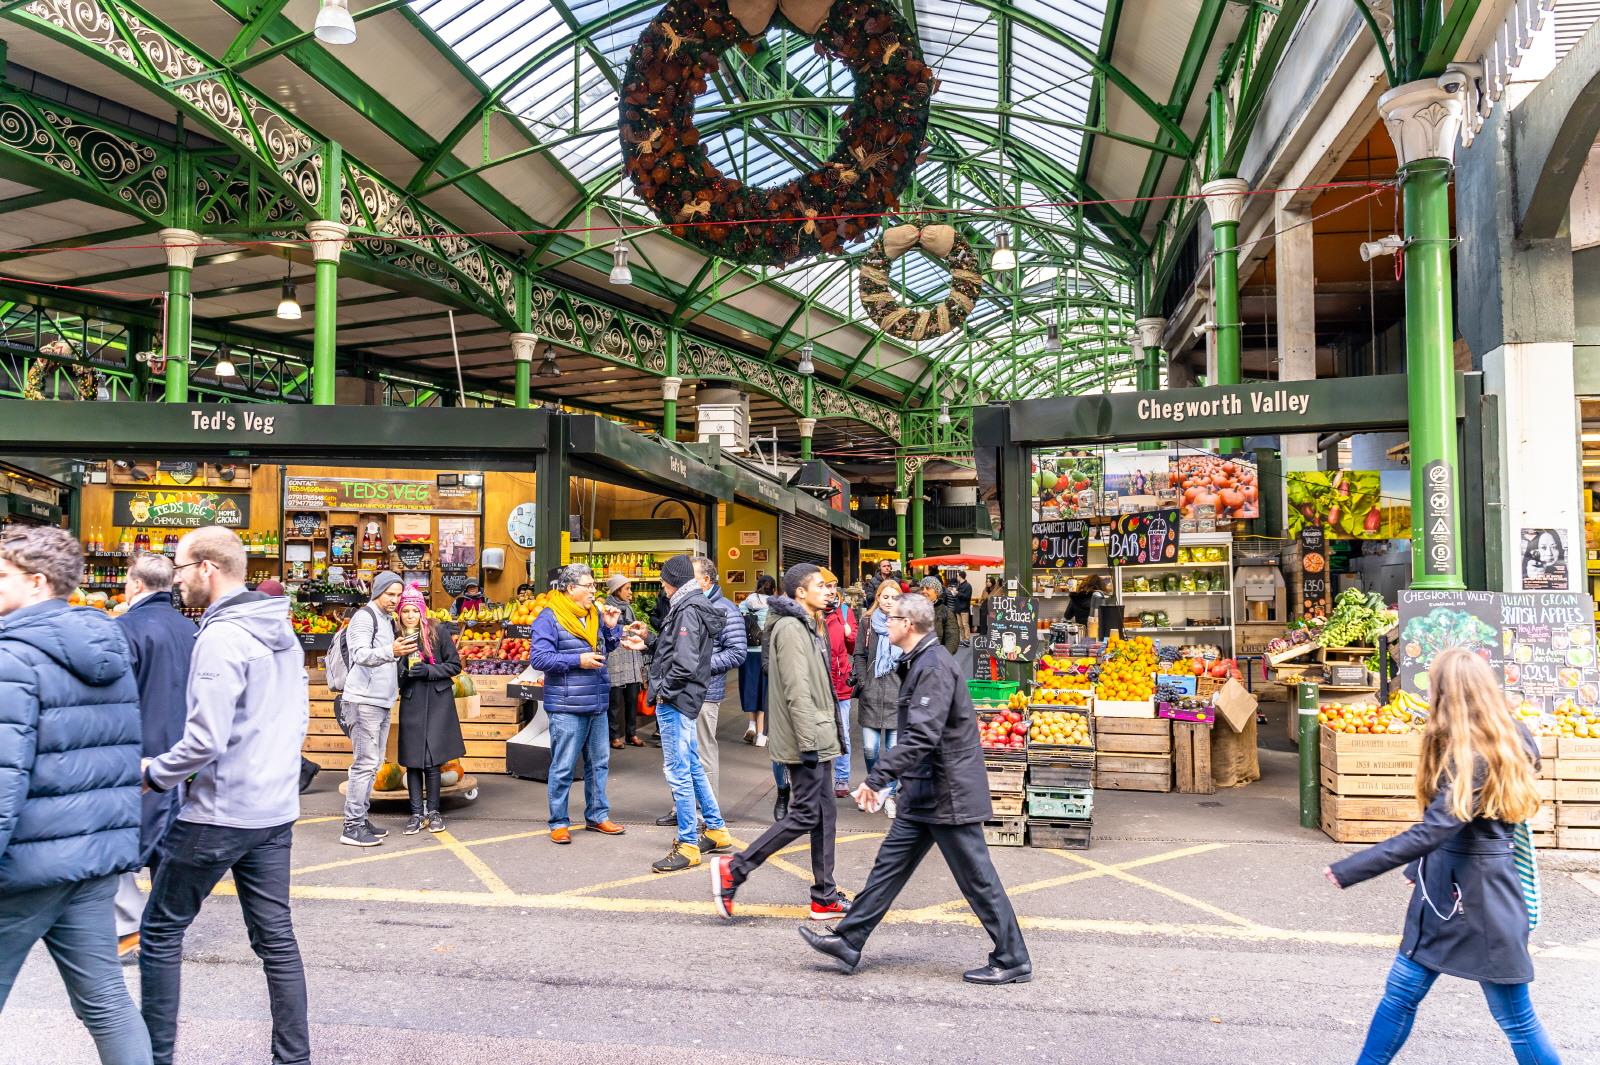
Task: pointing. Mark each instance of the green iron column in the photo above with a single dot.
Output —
(1225, 202)
(808, 421)
(1150, 333)
(900, 504)
(523, 346)
(1424, 121)
(327, 238)
(180, 245)
(670, 386)
(919, 513)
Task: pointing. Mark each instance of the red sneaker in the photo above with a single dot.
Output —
(827, 911)
(722, 886)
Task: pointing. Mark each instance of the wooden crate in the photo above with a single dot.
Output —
(1578, 839)
(1549, 746)
(1369, 785)
(1062, 774)
(1133, 726)
(1369, 763)
(485, 765)
(1006, 805)
(1544, 841)
(340, 744)
(1060, 835)
(1349, 808)
(1191, 757)
(1133, 772)
(329, 759)
(1406, 744)
(1151, 736)
(1578, 815)
(1578, 791)
(1544, 820)
(1005, 777)
(1361, 831)
(1572, 747)
(1575, 768)
(1546, 789)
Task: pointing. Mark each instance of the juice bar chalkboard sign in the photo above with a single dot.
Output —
(1146, 538)
(1542, 644)
(1060, 544)
(1013, 628)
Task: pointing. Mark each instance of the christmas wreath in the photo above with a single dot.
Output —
(821, 211)
(904, 323)
(83, 375)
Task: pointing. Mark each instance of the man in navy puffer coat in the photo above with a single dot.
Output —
(69, 784)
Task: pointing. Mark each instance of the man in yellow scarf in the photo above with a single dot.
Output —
(568, 643)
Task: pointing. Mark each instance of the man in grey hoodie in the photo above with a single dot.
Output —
(370, 690)
(247, 710)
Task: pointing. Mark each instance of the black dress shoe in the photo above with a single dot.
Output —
(667, 819)
(831, 945)
(994, 974)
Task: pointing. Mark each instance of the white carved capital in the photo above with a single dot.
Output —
(1225, 198)
(901, 506)
(1424, 120)
(326, 239)
(523, 345)
(670, 387)
(1150, 331)
(807, 427)
(181, 245)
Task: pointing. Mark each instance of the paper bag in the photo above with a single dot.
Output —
(1235, 705)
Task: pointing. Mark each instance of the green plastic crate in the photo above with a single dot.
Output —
(1051, 803)
(991, 691)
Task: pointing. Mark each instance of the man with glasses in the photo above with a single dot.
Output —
(803, 734)
(247, 709)
(69, 785)
(944, 800)
(569, 642)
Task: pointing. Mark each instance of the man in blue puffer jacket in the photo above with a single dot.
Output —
(69, 784)
(568, 642)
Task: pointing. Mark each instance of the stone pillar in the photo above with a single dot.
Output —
(1424, 121)
(180, 245)
(522, 348)
(327, 237)
(1297, 318)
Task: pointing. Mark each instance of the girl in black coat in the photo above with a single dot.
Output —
(430, 735)
(1468, 916)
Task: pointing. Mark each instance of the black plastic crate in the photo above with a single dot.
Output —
(1053, 774)
(1060, 835)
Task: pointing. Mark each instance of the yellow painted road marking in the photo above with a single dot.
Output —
(563, 902)
(1160, 889)
(479, 867)
(317, 820)
(425, 848)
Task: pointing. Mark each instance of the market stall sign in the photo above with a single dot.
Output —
(454, 580)
(1438, 520)
(1013, 628)
(1542, 644)
(1313, 571)
(181, 509)
(1060, 544)
(23, 507)
(1145, 538)
(306, 524)
(361, 495)
(411, 556)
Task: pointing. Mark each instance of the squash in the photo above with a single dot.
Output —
(450, 773)
(390, 777)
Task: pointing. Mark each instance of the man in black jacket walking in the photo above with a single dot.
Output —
(944, 800)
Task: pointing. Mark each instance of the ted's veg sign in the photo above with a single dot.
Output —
(362, 495)
(181, 509)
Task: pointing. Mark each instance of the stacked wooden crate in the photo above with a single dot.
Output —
(1133, 753)
(485, 735)
(1060, 797)
(1577, 793)
(1369, 785)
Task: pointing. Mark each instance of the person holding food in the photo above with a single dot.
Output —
(1475, 896)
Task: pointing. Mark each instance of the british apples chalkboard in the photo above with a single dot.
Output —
(1145, 538)
(1060, 544)
(1013, 628)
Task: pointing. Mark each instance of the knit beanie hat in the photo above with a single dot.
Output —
(677, 571)
(413, 596)
(383, 580)
(796, 575)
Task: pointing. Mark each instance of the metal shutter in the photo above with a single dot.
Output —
(803, 539)
(1573, 19)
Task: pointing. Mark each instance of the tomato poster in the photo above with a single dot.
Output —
(1230, 486)
(1144, 538)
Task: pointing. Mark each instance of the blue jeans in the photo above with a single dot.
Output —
(194, 858)
(680, 761)
(874, 741)
(1408, 985)
(571, 735)
(841, 764)
(752, 685)
(75, 922)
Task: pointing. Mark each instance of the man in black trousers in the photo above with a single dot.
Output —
(944, 800)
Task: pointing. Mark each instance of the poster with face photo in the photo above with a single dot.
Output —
(1544, 560)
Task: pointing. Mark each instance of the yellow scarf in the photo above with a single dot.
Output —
(585, 626)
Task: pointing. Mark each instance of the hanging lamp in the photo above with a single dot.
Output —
(620, 274)
(548, 367)
(289, 304)
(224, 367)
(1052, 337)
(944, 414)
(334, 24)
(806, 366)
(1002, 258)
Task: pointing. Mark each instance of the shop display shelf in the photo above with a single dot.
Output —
(1174, 595)
(1140, 629)
(1060, 835)
(1074, 804)
(1005, 832)
(1176, 565)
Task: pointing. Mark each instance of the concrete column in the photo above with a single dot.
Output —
(808, 426)
(180, 245)
(327, 238)
(1297, 318)
(522, 348)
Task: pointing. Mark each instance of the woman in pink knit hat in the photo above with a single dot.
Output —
(430, 735)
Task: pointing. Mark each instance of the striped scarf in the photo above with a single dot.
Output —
(1528, 872)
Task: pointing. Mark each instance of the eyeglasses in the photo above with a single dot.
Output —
(896, 617)
(186, 565)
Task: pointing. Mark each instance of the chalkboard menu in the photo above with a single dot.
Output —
(1150, 536)
(1313, 570)
(1542, 644)
(412, 556)
(1013, 628)
(453, 579)
(1060, 544)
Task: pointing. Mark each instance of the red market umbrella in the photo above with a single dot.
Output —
(971, 561)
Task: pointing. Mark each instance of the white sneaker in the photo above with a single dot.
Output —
(889, 808)
(761, 740)
(750, 734)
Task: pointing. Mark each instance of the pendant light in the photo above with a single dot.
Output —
(1052, 337)
(547, 367)
(1002, 258)
(806, 366)
(620, 274)
(289, 304)
(224, 365)
(944, 414)
(334, 24)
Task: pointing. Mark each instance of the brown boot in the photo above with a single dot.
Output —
(560, 835)
(607, 828)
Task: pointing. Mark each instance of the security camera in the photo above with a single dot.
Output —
(1202, 328)
(1374, 249)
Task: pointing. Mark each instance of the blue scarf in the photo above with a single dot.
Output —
(887, 654)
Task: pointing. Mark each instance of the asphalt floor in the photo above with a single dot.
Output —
(1196, 929)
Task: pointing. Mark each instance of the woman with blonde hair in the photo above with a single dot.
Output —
(1469, 914)
(878, 684)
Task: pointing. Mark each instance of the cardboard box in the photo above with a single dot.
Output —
(1578, 814)
(1572, 747)
(1578, 791)
(1235, 705)
(1373, 786)
(1575, 768)
(1347, 808)
(1361, 831)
